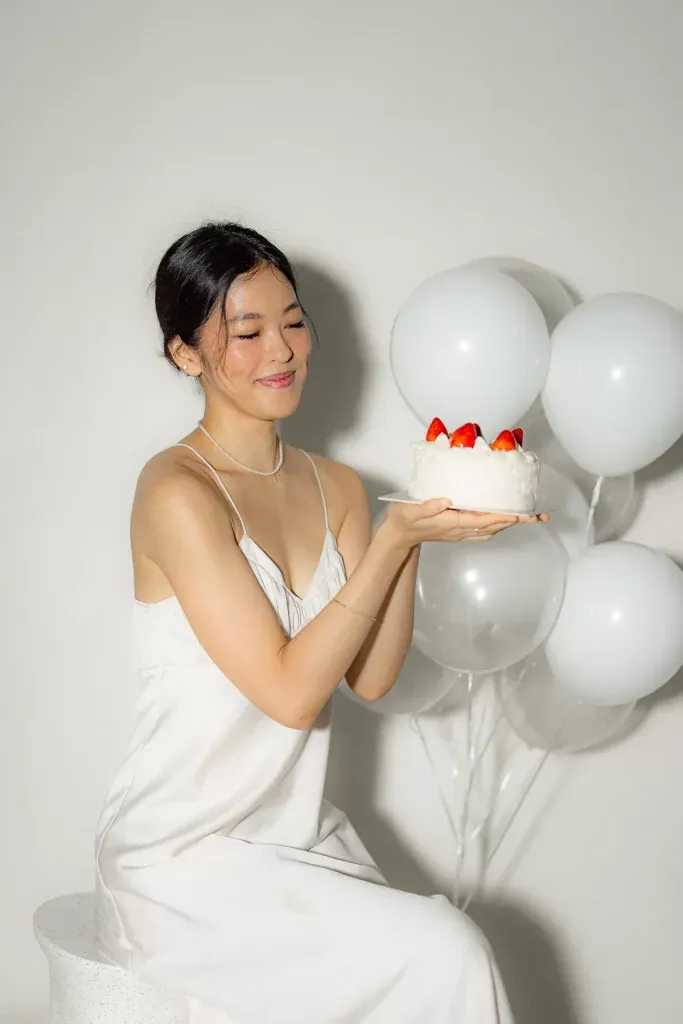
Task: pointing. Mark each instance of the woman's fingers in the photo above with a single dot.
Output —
(431, 508)
(473, 520)
(483, 532)
(498, 528)
(436, 520)
(486, 533)
(485, 520)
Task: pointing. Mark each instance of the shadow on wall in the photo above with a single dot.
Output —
(666, 465)
(330, 403)
(528, 955)
(526, 950)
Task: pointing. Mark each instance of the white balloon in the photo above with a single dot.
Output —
(614, 391)
(421, 685)
(617, 507)
(619, 498)
(458, 695)
(547, 716)
(548, 291)
(470, 345)
(568, 509)
(480, 607)
(619, 634)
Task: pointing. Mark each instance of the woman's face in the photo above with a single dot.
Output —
(263, 367)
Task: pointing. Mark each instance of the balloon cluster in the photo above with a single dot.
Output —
(575, 625)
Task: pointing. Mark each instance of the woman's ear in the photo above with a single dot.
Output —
(185, 358)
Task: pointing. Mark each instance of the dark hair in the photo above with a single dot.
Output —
(196, 272)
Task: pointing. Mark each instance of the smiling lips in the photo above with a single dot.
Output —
(278, 380)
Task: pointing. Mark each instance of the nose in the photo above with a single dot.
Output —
(279, 349)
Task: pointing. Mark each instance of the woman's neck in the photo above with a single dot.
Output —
(250, 441)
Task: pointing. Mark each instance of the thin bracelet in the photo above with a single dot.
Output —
(363, 615)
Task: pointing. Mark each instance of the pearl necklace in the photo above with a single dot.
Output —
(258, 472)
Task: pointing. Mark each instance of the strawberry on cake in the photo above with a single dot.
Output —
(462, 466)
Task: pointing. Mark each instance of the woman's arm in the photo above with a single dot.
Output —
(375, 668)
(189, 536)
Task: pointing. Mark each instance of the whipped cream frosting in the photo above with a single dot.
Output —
(475, 478)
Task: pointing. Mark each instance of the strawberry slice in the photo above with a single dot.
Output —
(464, 436)
(505, 442)
(518, 435)
(435, 429)
(478, 429)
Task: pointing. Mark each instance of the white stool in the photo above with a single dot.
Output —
(83, 989)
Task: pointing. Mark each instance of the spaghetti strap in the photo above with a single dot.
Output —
(322, 492)
(226, 492)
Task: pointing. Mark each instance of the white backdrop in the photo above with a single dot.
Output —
(377, 142)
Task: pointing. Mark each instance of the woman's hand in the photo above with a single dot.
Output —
(410, 525)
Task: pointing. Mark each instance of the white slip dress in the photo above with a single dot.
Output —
(223, 872)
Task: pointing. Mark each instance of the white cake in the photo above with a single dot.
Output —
(478, 478)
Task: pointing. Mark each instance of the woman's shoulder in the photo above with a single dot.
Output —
(169, 478)
(342, 484)
(172, 463)
(338, 473)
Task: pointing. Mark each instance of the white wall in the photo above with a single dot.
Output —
(377, 142)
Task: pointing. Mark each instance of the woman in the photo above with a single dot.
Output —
(222, 871)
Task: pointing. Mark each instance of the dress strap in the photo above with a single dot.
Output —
(226, 492)
(322, 492)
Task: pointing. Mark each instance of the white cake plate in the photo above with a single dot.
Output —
(402, 497)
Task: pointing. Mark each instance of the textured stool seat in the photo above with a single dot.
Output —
(85, 990)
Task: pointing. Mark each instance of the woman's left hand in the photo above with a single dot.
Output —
(434, 520)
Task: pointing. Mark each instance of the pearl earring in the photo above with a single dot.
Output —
(185, 366)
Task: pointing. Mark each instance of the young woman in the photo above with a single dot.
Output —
(222, 871)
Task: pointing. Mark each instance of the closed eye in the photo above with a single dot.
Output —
(248, 337)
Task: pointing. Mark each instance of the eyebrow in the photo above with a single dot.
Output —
(259, 316)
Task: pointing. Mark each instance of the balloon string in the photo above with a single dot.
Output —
(520, 802)
(480, 753)
(591, 511)
(471, 765)
(524, 794)
(508, 824)
(482, 824)
(444, 803)
(499, 718)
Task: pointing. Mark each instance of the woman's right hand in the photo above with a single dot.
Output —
(410, 525)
